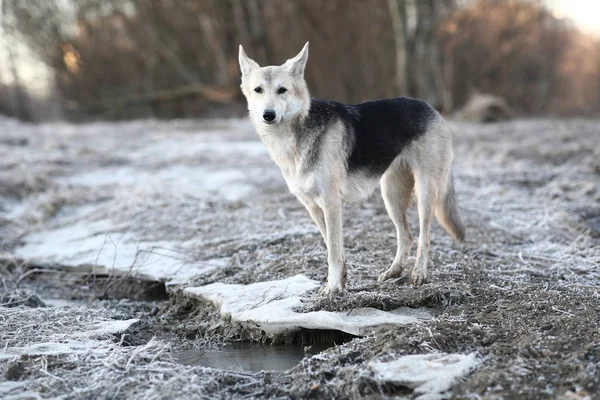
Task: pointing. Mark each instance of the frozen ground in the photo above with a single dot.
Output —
(95, 218)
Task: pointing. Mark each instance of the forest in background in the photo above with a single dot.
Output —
(114, 59)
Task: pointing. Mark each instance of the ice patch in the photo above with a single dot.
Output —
(229, 184)
(430, 375)
(269, 306)
(52, 349)
(115, 176)
(92, 244)
(166, 163)
(58, 303)
(10, 209)
(10, 386)
(107, 327)
(77, 342)
(184, 147)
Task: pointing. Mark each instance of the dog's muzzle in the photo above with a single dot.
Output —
(269, 116)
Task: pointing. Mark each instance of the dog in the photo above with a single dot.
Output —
(332, 154)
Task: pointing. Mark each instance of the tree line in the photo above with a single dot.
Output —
(178, 58)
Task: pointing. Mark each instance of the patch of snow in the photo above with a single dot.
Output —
(52, 348)
(123, 173)
(10, 386)
(73, 343)
(179, 149)
(96, 244)
(229, 184)
(430, 375)
(269, 306)
(58, 303)
(102, 328)
(10, 209)
(182, 277)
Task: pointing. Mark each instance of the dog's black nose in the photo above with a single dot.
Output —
(269, 115)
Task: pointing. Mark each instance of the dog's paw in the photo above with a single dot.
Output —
(392, 272)
(331, 290)
(418, 277)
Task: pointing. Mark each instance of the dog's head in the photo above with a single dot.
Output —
(275, 93)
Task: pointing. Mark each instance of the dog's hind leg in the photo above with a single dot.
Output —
(396, 189)
(426, 190)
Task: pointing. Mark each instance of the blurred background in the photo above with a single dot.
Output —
(123, 59)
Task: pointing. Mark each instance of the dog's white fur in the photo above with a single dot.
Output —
(423, 166)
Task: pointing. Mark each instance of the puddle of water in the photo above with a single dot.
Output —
(250, 357)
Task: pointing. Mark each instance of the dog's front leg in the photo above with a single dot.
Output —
(317, 215)
(336, 274)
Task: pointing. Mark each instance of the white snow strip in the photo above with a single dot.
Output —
(59, 303)
(11, 386)
(53, 348)
(228, 184)
(75, 342)
(269, 306)
(93, 244)
(194, 147)
(108, 327)
(430, 375)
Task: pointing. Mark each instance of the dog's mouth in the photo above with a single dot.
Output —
(269, 122)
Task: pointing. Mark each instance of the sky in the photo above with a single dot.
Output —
(584, 13)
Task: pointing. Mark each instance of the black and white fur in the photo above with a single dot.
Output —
(331, 153)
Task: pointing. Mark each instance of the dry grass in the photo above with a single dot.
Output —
(522, 291)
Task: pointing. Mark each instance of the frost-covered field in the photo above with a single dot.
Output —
(95, 217)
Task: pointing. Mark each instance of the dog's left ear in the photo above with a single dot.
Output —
(297, 64)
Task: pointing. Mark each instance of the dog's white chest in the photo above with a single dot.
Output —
(302, 184)
(290, 162)
(354, 188)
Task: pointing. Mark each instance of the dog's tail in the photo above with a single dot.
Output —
(448, 214)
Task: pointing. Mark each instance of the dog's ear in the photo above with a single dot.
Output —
(247, 64)
(297, 64)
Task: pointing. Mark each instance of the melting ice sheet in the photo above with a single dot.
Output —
(269, 306)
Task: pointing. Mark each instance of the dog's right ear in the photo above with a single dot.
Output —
(247, 64)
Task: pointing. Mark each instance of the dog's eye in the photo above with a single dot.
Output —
(281, 90)
(258, 89)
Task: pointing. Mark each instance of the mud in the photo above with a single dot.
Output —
(522, 292)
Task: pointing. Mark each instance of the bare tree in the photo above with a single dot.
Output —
(22, 110)
(398, 11)
(418, 62)
(176, 58)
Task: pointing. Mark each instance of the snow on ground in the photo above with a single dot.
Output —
(430, 375)
(53, 332)
(52, 349)
(199, 205)
(270, 307)
(115, 178)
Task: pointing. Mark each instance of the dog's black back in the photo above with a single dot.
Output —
(377, 131)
